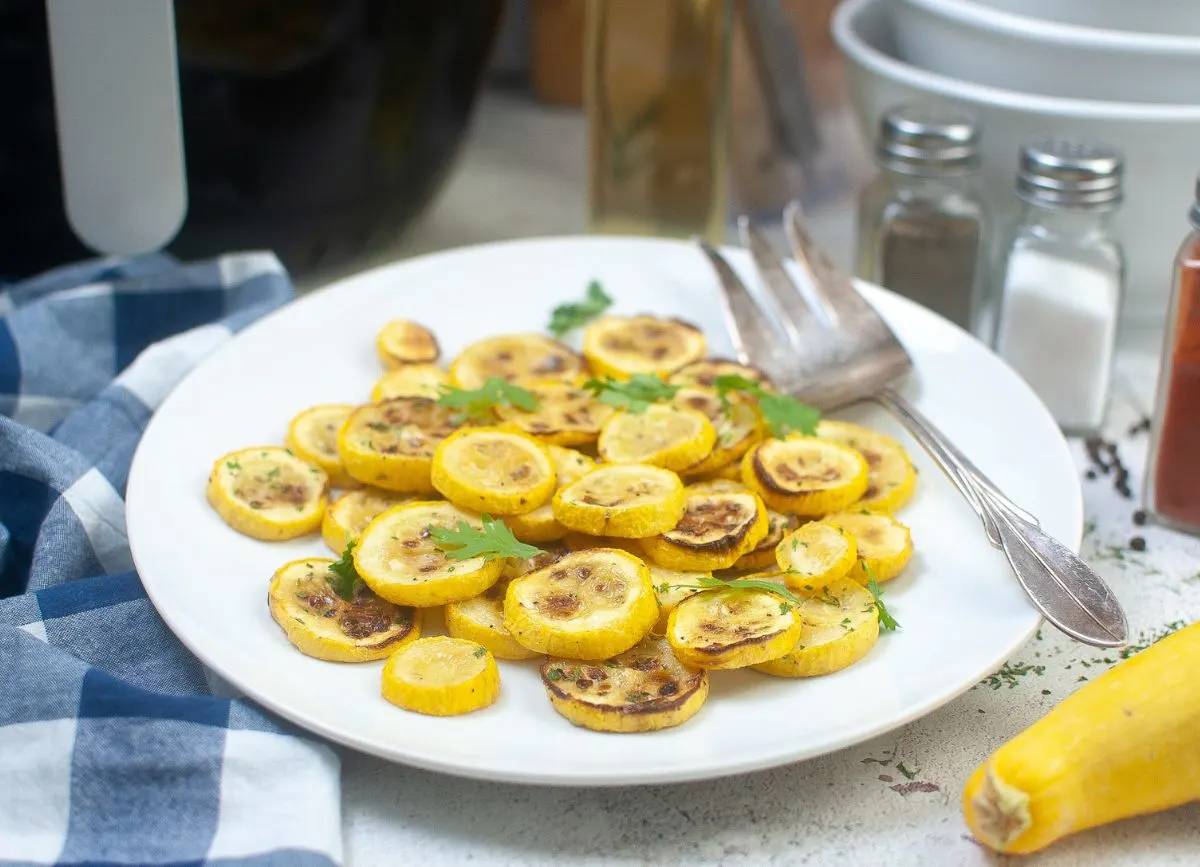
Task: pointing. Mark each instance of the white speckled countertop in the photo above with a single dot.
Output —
(894, 800)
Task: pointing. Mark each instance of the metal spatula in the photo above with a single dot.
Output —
(831, 349)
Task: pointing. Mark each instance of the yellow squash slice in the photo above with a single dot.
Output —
(840, 627)
(516, 357)
(268, 493)
(716, 529)
(671, 587)
(321, 623)
(704, 373)
(884, 544)
(737, 428)
(515, 567)
(397, 558)
(816, 555)
(805, 476)
(540, 525)
(643, 689)
(491, 470)
(390, 444)
(412, 380)
(441, 676)
(728, 473)
(348, 515)
(763, 554)
(733, 628)
(664, 436)
(312, 436)
(481, 619)
(620, 346)
(587, 605)
(566, 415)
(891, 479)
(402, 342)
(630, 501)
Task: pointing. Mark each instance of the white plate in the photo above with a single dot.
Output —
(962, 613)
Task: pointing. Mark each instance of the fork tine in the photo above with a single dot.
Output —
(835, 290)
(748, 327)
(802, 308)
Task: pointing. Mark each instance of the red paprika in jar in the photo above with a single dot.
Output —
(1173, 476)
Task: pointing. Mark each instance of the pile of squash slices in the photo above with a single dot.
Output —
(630, 546)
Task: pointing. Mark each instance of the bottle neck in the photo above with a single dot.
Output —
(1066, 224)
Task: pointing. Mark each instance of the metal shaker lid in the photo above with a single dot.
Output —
(919, 141)
(1074, 175)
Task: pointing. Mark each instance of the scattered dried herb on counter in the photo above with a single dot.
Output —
(1009, 674)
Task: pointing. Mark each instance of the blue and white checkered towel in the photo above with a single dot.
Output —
(116, 745)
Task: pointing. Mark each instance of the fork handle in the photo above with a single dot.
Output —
(1067, 592)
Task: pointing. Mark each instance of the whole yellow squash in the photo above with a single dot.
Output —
(1125, 744)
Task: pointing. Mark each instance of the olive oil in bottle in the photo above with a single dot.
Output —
(657, 94)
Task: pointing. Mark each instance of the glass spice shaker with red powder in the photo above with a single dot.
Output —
(1173, 475)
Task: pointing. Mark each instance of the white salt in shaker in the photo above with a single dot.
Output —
(1063, 280)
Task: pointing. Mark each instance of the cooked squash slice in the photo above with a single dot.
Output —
(481, 619)
(390, 444)
(491, 470)
(716, 529)
(587, 605)
(540, 525)
(312, 436)
(805, 476)
(630, 501)
(412, 380)
(891, 479)
(397, 558)
(663, 436)
(704, 373)
(671, 587)
(566, 414)
(321, 623)
(733, 628)
(841, 625)
(514, 567)
(620, 346)
(576, 541)
(268, 493)
(441, 676)
(763, 554)
(728, 473)
(348, 515)
(737, 425)
(643, 689)
(516, 357)
(884, 544)
(402, 342)
(816, 555)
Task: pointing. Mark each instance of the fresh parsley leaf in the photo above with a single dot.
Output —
(567, 317)
(886, 621)
(479, 402)
(634, 394)
(783, 414)
(708, 583)
(346, 575)
(494, 542)
(479, 652)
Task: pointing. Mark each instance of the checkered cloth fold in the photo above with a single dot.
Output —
(116, 745)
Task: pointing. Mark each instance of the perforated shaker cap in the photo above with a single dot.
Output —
(1075, 175)
(920, 141)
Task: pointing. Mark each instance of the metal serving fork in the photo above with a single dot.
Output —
(831, 349)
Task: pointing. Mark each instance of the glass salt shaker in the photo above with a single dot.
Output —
(1063, 277)
(1172, 488)
(922, 224)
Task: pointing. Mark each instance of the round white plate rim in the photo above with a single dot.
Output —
(314, 724)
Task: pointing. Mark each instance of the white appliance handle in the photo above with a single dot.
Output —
(120, 138)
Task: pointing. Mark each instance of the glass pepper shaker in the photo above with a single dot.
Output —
(922, 224)
(1063, 280)
(1172, 487)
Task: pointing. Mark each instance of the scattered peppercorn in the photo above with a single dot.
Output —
(1140, 426)
(1137, 543)
(1139, 517)
(1091, 475)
